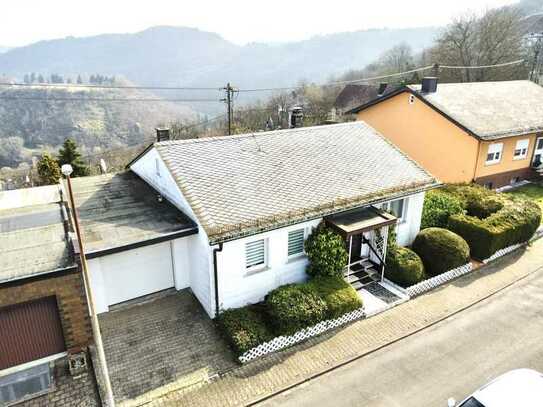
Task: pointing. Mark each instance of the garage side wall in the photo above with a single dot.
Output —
(68, 289)
(200, 258)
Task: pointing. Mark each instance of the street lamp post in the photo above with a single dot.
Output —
(67, 171)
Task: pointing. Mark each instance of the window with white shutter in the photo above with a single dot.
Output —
(521, 149)
(255, 254)
(494, 153)
(296, 242)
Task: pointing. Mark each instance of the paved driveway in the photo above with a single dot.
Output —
(453, 358)
(167, 340)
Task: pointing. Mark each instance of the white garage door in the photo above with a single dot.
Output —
(137, 272)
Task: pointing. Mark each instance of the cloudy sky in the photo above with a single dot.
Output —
(26, 21)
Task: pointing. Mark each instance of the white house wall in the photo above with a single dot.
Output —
(199, 260)
(237, 287)
(407, 231)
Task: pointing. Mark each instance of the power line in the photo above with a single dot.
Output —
(518, 61)
(82, 86)
(69, 99)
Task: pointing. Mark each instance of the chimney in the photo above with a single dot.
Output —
(162, 134)
(429, 84)
(382, 88)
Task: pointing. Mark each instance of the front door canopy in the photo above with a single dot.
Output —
(359, 221)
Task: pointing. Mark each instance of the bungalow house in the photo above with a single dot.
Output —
(486, 132)
(227, 216)
(44, 320)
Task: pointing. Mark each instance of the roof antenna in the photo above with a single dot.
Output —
(256, 142)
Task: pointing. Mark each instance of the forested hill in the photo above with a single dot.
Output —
(186, 56)
(29, 124)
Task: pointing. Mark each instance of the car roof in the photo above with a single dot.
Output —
(521, 387)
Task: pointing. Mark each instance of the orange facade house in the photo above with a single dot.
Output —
(486, 132)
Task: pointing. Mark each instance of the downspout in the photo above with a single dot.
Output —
(216, 277)
(477, 160)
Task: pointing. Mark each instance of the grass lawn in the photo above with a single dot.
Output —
(531, 191)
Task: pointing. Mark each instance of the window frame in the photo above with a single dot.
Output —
(304, 237)
(490, 150)
(403, 217)
(261, 266)
(43, 368)
(525, 146)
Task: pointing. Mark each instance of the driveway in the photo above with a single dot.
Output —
(451, 359)
(170, 339)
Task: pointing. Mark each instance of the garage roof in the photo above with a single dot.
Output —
(120, 211)
(33, 238)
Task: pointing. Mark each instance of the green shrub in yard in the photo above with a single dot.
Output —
(438, 207)
(244, 328)
(339, 296)
(404, 267)
(515, 223)
(440, 250)
(293, 307)
(326, 252)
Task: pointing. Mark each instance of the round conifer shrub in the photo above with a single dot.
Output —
(326, 252)
(404, 267)
(440, 250)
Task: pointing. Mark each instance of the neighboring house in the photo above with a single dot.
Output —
(43, 309)
(352, 96)
(252, 200)
(486, 132)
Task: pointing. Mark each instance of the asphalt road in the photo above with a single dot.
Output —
(450, 359)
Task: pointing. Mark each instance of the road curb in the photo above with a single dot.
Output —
(360, 356)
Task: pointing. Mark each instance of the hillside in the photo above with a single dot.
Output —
(187, 56)
(31, 123)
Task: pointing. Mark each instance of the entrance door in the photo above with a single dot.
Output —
(356, 246)
(538, 152)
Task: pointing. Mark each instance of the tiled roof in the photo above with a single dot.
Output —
(352, 96)
(119, 210)
(490, 110)
(33, 239)
(247, 183)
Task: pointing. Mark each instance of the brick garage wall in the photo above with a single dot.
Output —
(67, 287)
(503, 179)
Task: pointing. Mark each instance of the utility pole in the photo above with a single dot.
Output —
(229, 108)
(110, 401)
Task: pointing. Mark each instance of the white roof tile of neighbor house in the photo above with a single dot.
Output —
(243, 184)
(491, 110)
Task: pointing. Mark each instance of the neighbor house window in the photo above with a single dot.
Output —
(255, 254)
(494, 153)
(25, 384)
(521, 149)
(296, 242)
(398, 208)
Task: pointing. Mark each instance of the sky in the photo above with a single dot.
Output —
(26, 21)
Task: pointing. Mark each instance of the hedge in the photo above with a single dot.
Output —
(404, 267)
(244, 328)
(340, 297)
(441, 250)
(515, 223)
(293, 307)
(438, 207)
(326, 252)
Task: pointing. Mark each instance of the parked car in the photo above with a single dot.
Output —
(520, 387)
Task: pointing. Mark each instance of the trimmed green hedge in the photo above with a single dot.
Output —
(404, 267)
(340, 297)
(515, 223)
(293, 307)
(326, 252)
(440, 250)
(244, 328)
(438, 207)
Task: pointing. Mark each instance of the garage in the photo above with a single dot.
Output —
(137, 272)
(30, 331)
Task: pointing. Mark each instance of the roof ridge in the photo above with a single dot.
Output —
(253, 134)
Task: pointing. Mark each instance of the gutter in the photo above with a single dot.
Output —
(216, 277)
